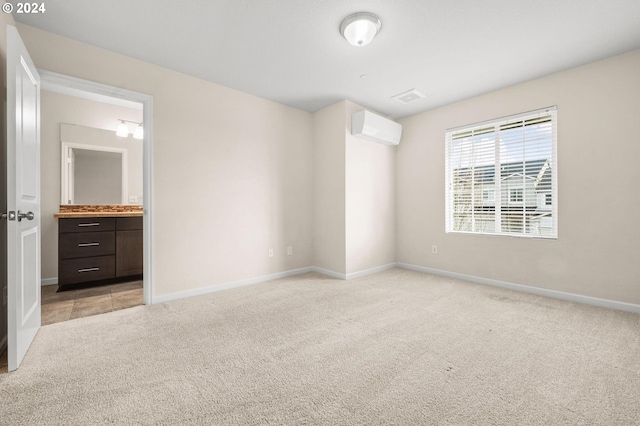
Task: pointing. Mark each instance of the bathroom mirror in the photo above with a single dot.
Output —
(98, 167)
(94, 174)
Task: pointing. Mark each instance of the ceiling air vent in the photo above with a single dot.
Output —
(408, 96)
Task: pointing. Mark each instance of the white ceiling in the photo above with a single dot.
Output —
(290, 51)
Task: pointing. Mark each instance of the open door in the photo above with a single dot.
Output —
(23, 199)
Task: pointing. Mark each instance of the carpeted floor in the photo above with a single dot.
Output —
(398, 347)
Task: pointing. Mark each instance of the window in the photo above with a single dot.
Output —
(489, 195)
(501, 176)
(515, 195)
(547, 199)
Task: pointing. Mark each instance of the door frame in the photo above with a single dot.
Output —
(56, 82)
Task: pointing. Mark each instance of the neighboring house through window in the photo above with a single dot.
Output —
(501, 176)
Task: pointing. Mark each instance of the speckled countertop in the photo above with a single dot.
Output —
(78, 211)
(97, 214)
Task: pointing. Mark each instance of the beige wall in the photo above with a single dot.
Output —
(329, 188)
(370, 200)
(55, 109)
(354, 195)
(596, 253)
(233, 173)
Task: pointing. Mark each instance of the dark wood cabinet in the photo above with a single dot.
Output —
(92, 250)
(86, 269)
(86, 244)
(129, 254)
(98, 224)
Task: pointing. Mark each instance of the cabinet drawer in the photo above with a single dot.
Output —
(128, 223)
(88, 224)
(86, 269)
(86, 244)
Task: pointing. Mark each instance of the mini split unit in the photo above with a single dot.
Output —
(367, 125)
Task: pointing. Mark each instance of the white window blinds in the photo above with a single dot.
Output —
(501, 176)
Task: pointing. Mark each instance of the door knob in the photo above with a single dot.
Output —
(8, 216)
(28, 216)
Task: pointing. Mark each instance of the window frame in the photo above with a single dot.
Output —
(495, 127)
(516, 195)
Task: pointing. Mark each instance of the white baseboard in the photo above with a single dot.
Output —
(219, 287)
(352, 275)
(49, 281)
(329, 273)
(371, 271)
(604, 303)
(595, 301)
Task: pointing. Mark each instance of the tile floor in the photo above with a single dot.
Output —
(72, 304)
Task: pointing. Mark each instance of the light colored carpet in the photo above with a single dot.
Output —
(398, 347)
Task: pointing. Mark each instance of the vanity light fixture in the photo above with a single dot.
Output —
(139, 132)
(360, 28)
(123, 129)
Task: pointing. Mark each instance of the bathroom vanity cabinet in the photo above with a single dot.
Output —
(96, 249)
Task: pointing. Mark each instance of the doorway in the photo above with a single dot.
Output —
(87, 166)
(58, 83)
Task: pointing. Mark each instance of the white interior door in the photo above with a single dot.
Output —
(23, 198)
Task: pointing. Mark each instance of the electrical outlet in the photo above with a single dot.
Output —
(434, 249)
(270, 252)
(289, 250)
(4, 296)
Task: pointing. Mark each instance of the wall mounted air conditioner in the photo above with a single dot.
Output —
(365, 124)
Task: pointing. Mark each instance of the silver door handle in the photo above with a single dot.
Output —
(8, 216)
(88, 244)
(28, 216)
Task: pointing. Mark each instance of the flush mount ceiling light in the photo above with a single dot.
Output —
(360, 28)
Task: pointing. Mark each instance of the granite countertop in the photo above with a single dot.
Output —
(98, 210)
(96, 214)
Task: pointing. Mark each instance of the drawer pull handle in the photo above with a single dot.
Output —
(88, 244)
(89, 224)
(88, 269)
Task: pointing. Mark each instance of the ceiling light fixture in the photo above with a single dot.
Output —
(123, 129)
(360, 28)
